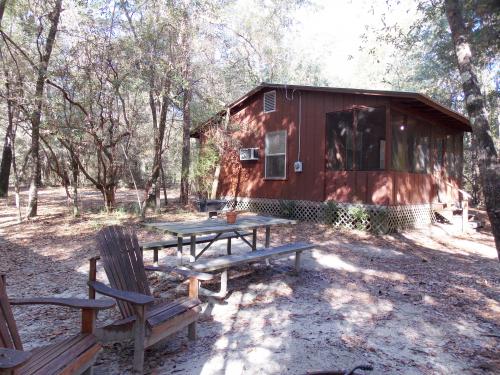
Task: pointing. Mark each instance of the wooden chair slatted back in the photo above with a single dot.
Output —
(122, 260)
(9, 335)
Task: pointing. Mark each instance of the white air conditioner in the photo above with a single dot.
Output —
(249, 154)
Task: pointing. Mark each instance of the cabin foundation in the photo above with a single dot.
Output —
(373, 218)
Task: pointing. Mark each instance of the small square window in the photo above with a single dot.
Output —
(270, 101)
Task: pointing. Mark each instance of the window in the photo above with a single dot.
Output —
(275, 163)
(270, 101)
(355, 140)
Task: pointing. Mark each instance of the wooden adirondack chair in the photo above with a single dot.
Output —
(142, 319)
(74, 355)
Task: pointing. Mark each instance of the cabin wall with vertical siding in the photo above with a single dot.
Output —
(247, 178)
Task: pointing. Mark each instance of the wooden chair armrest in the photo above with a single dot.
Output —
(77, 303)
(12, 358)
(132, 297)
(181, 271)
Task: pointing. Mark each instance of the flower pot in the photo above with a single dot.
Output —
(231, 217)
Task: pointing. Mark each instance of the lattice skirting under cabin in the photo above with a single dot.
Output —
(379, 219)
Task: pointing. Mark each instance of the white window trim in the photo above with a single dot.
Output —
(266, 155)
(264, 101)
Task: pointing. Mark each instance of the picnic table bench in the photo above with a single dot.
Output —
(155, 246)
(223, 263)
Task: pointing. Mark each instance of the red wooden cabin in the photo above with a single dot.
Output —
(353, 146)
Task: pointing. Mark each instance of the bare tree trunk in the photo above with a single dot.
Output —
(37, 113)
(482, 142)
(7, 149)
(16, 180)
(74, 183)
(186, 144)
(164, 185)
(159, 131)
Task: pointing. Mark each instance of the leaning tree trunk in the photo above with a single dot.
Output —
(186, 145)
(37, 113)
(482, 142)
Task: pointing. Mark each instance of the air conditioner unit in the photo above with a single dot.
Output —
(249, 154)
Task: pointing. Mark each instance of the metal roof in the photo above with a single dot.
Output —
(405, 98)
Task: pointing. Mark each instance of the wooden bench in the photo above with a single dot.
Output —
(155, 246)
(225, 262)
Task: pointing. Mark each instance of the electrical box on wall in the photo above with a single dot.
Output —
(297, 166)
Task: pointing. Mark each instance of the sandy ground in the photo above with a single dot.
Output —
(418, 302)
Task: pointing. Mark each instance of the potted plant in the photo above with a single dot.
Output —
(231, 216)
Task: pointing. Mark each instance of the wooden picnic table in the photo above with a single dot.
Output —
(218, 226)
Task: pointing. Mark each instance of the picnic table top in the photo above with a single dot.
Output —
(190, 228)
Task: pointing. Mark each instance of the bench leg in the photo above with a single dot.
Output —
(254, 239)
(223, 283)
(155, 257)
(179, 251)
(229, 246)
(223, 287)
(192, 331)
(268, 243)
(297, 261)
(192, 249)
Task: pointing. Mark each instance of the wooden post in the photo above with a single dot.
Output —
(92, 276)
(88, 320)
(192, 249)
(179, 250)
(139, 336)
(194, 287)
(229, 246)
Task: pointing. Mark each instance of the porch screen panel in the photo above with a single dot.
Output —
(339, 141)
(438, 154)
(275, 163)
(370, 139)
(450, 155)
(421, 148)
(400, 139)
(459, 152)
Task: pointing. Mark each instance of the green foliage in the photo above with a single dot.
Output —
(287, 208)
(331, 212)
(359, 216)
(203, 171)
